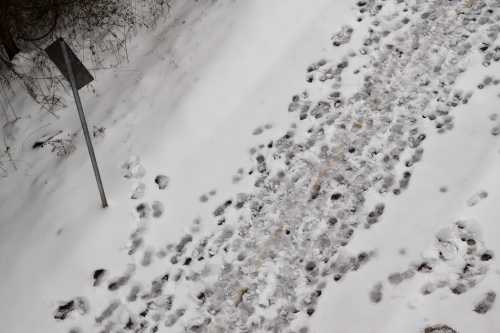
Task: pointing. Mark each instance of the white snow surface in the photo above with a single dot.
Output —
(409, 243)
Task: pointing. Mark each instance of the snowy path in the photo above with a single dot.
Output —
(329, 225)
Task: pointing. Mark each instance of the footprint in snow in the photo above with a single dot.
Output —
(495, 131)
(376, 293)
(78, 304)
(108, 312)
(147, 257)
(133, 168)
(134, 293)
(122, 280)
(260, 129)
(343, 36)
(138, 191)
(439, 329)
(162, 181)
(136, 240)
(98, 276)
(206, 196)
(485, 303)
(143, 210)
(240, 173)
(476, 198)
(157, 208)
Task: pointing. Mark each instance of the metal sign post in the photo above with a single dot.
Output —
(82, 78)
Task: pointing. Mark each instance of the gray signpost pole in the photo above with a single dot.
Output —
(84, 123)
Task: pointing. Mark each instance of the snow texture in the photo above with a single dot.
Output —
(251, 198)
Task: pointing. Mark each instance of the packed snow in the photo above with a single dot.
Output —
(298, 166)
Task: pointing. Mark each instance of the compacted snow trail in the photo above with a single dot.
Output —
(279, 245)
(275, 250)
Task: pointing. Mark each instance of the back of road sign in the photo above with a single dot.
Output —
(82, 75)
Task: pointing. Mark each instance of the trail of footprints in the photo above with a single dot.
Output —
(133, 169)
(282, 242)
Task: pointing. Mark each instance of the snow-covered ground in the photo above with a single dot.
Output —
(285, 166)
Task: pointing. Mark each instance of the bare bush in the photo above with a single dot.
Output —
(96, 29)
(60, 143)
